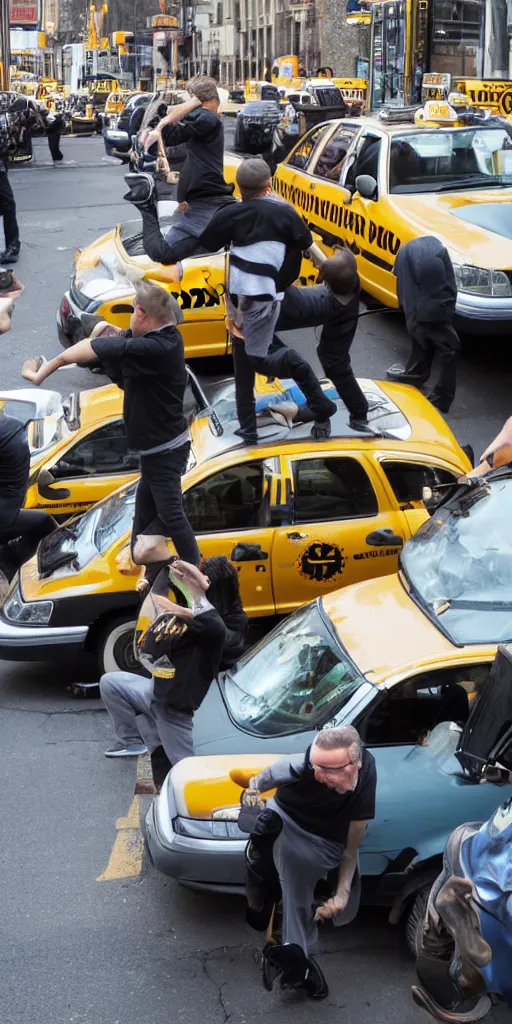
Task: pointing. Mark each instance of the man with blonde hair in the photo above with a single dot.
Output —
(148, 363)
(322, 807)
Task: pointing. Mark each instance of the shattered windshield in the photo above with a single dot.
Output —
(459, 564)
(294, 680)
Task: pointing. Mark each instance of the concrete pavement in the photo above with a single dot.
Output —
(141, 950)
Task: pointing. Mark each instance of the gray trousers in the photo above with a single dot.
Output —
(136, 717)
(302, 859)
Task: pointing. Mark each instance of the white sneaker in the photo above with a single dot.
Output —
(134, 750)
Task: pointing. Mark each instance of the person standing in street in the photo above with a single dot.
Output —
(148, 363)
(202, 188)
(427, 293)
(321, 810)
(11, 251)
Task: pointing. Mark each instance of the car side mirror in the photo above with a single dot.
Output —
(384, 538)
(366, 186)
(44, 481)
(243, 552)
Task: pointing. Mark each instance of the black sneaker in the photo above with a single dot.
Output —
(11, 254)
(315, 983)
(361, 425)
(321, 430)
(247, 436)
(141, 188)
(400, 375)
(287, 962)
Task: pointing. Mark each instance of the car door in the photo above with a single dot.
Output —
(369, 224)
(293, 179)
(88, 470)
(335, 538)
(326, 211)
(228, 511)
(407, 477)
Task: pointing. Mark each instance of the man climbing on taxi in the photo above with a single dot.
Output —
(315, 824)
(148, 363)
(201, 187)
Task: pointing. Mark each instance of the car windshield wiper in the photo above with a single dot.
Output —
(473, 181)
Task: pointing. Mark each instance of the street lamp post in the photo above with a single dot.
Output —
(5, 46)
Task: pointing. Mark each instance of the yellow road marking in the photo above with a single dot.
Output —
(125, 859)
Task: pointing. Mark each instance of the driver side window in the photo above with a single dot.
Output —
(366, 160)
(229, 500)
(408, 712)
(102, 452)
(302, 155)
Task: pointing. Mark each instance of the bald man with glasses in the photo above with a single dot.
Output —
(319, 815)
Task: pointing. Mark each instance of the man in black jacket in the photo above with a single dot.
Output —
(427, 293)
(148, 363)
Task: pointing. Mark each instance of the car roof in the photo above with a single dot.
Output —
(398, 413)
(99, 404)
(397, 127)
(388, 636)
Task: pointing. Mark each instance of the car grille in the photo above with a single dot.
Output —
(77, 297)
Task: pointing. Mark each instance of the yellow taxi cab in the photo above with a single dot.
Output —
(106, 271)
(78, 445)
(374, 183)
(297, 518)
(400, 658)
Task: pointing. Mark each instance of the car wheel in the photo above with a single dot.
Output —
(414, 923)
(115, 647)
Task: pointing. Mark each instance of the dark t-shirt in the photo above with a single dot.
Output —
(202, 177)
(183, 655)
(256, 221)
(151, 370)
(322, 811)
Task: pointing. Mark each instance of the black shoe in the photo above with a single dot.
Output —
(361, 425)
(247, 436)
(440, 403)
(400, 375)
(141, 188)
(160, 766)
(321, 430)
(315, 983)
(289, 962)
(11, 254)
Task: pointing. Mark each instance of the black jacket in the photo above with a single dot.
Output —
(426, 285)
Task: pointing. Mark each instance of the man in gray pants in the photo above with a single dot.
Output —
(184, 655)
(324, 801)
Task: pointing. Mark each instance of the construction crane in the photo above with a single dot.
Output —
(98, 35)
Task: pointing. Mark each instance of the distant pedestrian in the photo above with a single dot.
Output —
(11, 252)
(427, 292)
(54, 128)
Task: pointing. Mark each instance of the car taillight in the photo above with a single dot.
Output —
(65, 308)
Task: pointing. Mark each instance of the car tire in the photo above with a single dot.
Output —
(414, 923)
(115, 646)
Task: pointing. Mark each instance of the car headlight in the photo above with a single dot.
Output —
(479, 281)
(35, 613)
(198, 828)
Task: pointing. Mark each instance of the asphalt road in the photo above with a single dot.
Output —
(141, 950)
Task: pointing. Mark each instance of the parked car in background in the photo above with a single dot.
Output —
(255, 126)
(115, 132)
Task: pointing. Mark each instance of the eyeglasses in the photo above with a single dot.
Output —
(333, 771)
